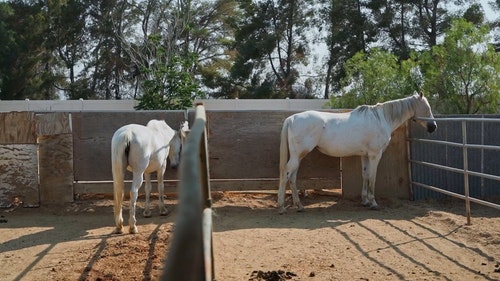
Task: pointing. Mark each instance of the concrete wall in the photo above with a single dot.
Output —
(74, 155)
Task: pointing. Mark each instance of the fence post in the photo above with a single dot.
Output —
(191, 255)
(466, 171)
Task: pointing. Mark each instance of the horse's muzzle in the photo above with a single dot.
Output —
(431, 127)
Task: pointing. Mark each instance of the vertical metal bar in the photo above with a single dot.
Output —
(408, 157)
(466, 174)
(482, 157)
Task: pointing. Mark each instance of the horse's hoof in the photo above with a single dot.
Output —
(133, 230)
(301, 210)
(282, 210)
(146, 215)
(365, 204)
(164, 213)
(118, 230)
(375, 207)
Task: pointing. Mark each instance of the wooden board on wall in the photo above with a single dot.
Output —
(53, 123)
(392, 173)
(245, 145)
(56, 168)
(92, 133)
(215, 185)
(17, 128)
(18, 175)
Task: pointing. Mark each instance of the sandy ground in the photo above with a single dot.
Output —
(334, 239)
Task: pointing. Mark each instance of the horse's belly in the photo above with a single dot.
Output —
(152, 167)
(342, 151)
(352, 144)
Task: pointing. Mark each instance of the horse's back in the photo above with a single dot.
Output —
(132, 133)
(305, 130)
(155, 124)
(337, 134)
(312, 121)
(141, 146)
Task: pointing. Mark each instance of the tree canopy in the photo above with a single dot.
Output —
(166, 53)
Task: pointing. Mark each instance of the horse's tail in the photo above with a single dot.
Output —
(120, 146)
(284, 149)
(283, 161)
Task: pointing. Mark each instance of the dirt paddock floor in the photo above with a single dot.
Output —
(334, 239)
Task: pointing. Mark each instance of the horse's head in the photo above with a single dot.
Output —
(176, 144)
(423, 110)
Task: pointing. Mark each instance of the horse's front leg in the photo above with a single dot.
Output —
(161, 204)
(371, 184)
(147, 187)
(134, 193)
(365, 173)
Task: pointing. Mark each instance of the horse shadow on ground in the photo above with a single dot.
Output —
(72, 224)
(319, 209)
(344, 217)
(322, 208)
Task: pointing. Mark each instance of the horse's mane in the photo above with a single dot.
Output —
(394, 110)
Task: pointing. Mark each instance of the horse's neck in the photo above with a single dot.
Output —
(398, 112)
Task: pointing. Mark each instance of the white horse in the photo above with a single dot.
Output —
(365, 131)
(143, 150)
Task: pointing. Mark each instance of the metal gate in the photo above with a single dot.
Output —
(462, 159)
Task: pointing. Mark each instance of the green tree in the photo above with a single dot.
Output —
(107, 69)
(67, 37)
(430, 20)
(349, 31)
(375, 77)
(171, 32)
(170, 85)
(212, 40)
(271, 44)
(464, 71)
(28, 68)
(392, 17)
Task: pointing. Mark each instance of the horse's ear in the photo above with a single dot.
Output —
(421, 94)
(184, 129)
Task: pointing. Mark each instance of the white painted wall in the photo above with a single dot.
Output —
(263, 104)
(67, 105)
(128, 105)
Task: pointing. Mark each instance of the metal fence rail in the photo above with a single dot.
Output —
(465, 169)
(191, 254)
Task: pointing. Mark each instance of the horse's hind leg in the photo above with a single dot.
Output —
(281, 191)
(118, 187)
(134, 193)
(295, 194)
(161, 187)
(147, 188)
(290, 169)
